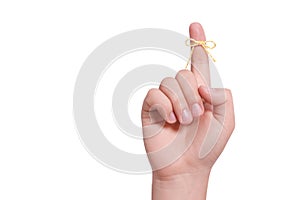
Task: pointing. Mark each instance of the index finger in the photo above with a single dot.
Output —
(199, 60)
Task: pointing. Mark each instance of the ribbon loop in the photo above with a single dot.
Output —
(210, 44)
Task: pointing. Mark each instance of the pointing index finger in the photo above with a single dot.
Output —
(199, 61)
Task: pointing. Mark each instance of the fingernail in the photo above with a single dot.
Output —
(196, 110)
(172, 117)
(186, 116)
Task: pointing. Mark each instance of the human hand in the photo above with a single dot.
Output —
(186, 125)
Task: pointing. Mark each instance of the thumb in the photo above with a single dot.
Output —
(222, 104)
(220, 101)
(215, 96)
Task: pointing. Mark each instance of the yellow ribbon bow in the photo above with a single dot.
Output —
(205, 44)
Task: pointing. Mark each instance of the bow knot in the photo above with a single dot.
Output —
(205, 44)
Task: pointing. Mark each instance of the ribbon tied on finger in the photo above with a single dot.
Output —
(206, 45)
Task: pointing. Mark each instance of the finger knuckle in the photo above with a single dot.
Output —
(167, 82)
(184, 74)
(152, 92)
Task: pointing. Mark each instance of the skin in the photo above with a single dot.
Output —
(193, 122)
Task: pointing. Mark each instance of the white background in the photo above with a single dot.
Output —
(43, 45)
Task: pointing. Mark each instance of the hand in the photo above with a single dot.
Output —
(186, 125)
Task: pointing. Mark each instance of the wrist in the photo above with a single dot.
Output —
(188, 186)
